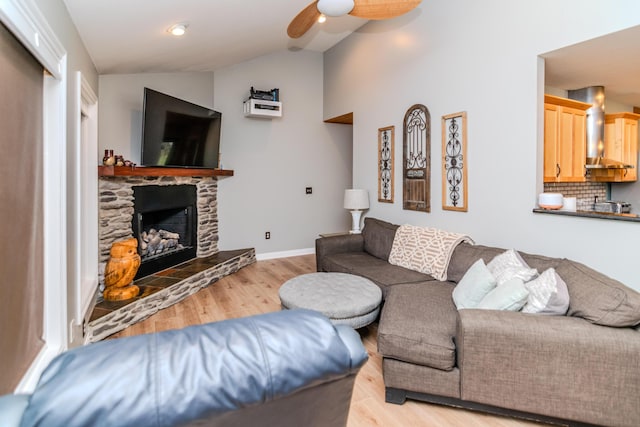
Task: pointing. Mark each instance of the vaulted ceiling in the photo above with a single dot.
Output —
(130, 36)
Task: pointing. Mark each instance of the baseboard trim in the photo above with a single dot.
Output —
(285, 254)
(30, 379)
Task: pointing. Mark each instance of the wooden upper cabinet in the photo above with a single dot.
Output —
(621, 143)
(565, 142)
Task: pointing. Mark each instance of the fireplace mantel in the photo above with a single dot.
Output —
(160, 171)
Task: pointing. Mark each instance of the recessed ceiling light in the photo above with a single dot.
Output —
(178, 29)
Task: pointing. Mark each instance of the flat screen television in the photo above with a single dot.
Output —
(177, 133)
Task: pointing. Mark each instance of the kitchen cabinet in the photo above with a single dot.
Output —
(621, 144)
(565, 143)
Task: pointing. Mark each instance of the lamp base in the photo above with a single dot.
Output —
(355, 227)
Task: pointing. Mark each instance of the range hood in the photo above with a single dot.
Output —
(596, 157)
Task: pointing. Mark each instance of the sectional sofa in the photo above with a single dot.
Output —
(578, 368)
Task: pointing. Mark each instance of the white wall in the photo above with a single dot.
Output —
(482, 58)
(274, 160)
(121, 99)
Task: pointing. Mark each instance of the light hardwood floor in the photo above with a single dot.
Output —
(254, 290)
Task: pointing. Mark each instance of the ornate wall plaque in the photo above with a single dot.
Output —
(386, 142)
(417, 159)
(454, 162)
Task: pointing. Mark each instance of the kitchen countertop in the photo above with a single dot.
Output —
(591, 214)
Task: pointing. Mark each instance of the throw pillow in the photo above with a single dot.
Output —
(508, 265)
(510, 296)
(476, 283)
(548, 294)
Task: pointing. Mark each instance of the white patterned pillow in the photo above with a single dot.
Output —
(548, 294)
(508, 265)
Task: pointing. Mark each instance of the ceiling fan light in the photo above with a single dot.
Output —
(322, 18)
(335, 7)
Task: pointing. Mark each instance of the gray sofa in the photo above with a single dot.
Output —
(288, 368)
(579, 368)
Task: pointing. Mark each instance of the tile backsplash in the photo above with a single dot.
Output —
(584, 192)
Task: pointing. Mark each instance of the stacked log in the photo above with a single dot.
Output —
(156, 242)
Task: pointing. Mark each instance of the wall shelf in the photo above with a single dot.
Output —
(160, 171)
(262, 108)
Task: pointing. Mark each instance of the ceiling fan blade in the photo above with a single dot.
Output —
(303, 21)
(382, 9)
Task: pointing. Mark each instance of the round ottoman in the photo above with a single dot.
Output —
(345, 299)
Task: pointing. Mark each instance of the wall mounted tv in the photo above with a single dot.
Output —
(177, 133)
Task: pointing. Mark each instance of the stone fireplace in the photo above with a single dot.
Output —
(127, 202)
(135, 201)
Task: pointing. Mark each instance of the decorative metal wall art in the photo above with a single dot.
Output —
(416, 171)
(386, 143)
(454, 162)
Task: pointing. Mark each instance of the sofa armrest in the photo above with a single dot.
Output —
(336, 245)
(559, 366)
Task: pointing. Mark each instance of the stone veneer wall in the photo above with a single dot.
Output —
(116, 211)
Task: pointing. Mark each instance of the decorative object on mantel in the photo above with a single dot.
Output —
(120, 270)
(108, 159)
(454, 162)
(356, 201)
(386, 142)
(416, 169)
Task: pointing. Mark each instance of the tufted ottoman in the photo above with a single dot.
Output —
(345, 299)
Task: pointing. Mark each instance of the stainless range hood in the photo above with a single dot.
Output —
(596, 159)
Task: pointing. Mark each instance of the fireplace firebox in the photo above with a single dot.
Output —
(164, 222)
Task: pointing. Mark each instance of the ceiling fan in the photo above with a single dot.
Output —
(367, 9)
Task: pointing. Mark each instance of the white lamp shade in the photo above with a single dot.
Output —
(335, 7)
(356, 199)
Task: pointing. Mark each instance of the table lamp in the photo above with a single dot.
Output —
(356, 201)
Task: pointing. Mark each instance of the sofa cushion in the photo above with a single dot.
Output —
(378, 237)
(465, 255)
(375, 269)
(418, 325)
(599, 298)
(540, 262)
(474, 286)
(510, 296)
(548, 294)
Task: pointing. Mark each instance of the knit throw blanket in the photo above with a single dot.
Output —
(424, 249)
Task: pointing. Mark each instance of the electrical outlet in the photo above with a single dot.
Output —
(267, 235)
(309, 190)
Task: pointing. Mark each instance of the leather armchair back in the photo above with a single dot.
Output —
(285, 368)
